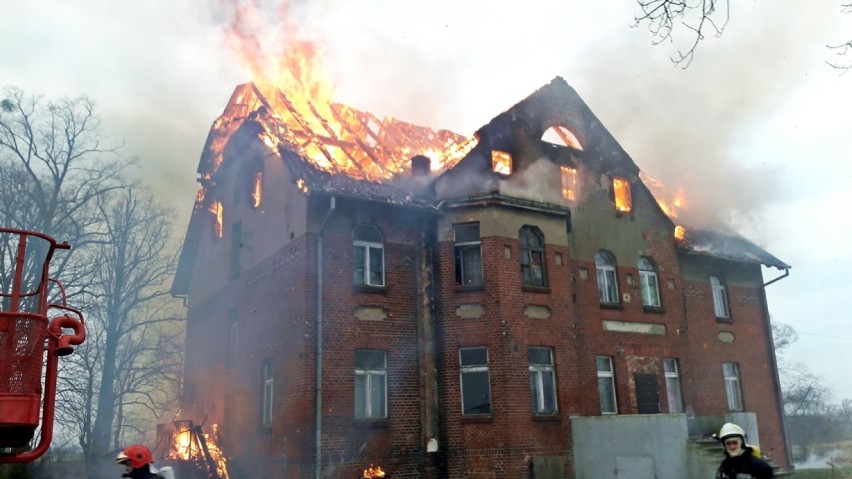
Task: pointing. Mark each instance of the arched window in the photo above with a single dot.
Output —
(532, 256)
(559, 135)
(607, 282)
(720, 298)
(368, 256)
(648, 283)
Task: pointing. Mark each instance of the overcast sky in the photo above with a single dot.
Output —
(756, 131)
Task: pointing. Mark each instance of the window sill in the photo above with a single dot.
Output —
(541, 417)
(724, 320)
(654, 309)
(616, 306)
(485, 418)
(463, 288)
(371, 423)
(265, 430)
(535, 289)
(366, 288)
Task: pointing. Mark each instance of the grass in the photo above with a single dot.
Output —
(837, 473)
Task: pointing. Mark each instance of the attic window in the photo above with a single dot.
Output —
(559, 135)
(257, 190)
(501, 162)
(569, 182)
(216, 209)
(621, 189)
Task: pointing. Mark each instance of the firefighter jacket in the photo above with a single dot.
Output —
(746, 465)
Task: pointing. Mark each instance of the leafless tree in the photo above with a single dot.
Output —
(843, 51)
(699, 17)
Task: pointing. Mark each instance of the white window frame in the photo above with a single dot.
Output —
(733, 386)
(369, 249)
(606, 384)
(542, 382)
(474, 369)
(268, 395)
(461, 250)
(674, 394)
(720, 298)
(649, 283)
(370, 376)
(607, 277)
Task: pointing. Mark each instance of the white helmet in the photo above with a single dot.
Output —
(731, 429)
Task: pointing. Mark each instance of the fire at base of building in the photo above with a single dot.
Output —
(363, 292)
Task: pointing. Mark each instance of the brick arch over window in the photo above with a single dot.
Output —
(561, 135)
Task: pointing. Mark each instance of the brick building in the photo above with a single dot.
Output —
(354, 298)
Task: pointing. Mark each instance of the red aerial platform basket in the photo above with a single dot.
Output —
(27, 335)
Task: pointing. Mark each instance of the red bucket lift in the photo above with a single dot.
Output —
(27, 334)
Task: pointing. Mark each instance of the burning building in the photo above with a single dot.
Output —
(370, 295)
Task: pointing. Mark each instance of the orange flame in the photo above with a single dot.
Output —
(257, 192)
(623, 200)
(216, 209)
(186, 446)
(672, 203)
(373, 472)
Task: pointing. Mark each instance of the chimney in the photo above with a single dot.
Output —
(420, 165)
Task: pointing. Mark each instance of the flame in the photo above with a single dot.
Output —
(623, 200)
(501, 162)
(257, 192)
(569, 182)
(217, 210)
(671, 202)
(187, 446)
(372, 472)
(679, 232)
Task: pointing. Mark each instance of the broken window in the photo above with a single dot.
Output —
(532, 256)
(475, 384)
(569, 182)
(673, 385)
(370, 384)
(731, 371)
(720, 298)
(257, 190)
(606, 385)
(266, 407)
(468, 254)
(559, 135)
(607, 283)
(368, 256)
(648, 283)
(542, 380)
(501, 162)
(621, 190)
(218, 214)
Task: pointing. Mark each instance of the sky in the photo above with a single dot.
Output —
(755, 131)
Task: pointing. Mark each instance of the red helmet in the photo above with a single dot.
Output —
(137, 455)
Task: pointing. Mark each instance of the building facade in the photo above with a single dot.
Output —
(448, 318)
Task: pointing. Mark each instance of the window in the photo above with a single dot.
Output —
(621, 191)
(569, 182)
(257, 190)
(370, 384)
(475, 385)
(369, 256)
(468, 253)
(606, 385)
(532, 256)
(542, 380)
(607, 284)
(501, 162)
(266, 408)
(648, 283)
(232, 338)
(720, 298)
(731, 371)
(559, 135)
(673, 385)
(236, 249)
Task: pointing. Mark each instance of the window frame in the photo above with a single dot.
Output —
(370, 375)
(538, 387)
(606, 376)
(267, 394)
(368, 246)
(460, 253)
(719, 293)
(733, 386)
(649, 278)
(607, 277)
(674, 391)
(470, 369)
(527, 236)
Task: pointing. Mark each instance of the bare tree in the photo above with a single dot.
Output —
(699, 17)
(842, 51)
(130, 364)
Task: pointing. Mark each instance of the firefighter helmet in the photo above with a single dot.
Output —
(731, 429)
(137, 455)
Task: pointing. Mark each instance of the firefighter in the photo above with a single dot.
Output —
(137, 461)
(741, 460)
